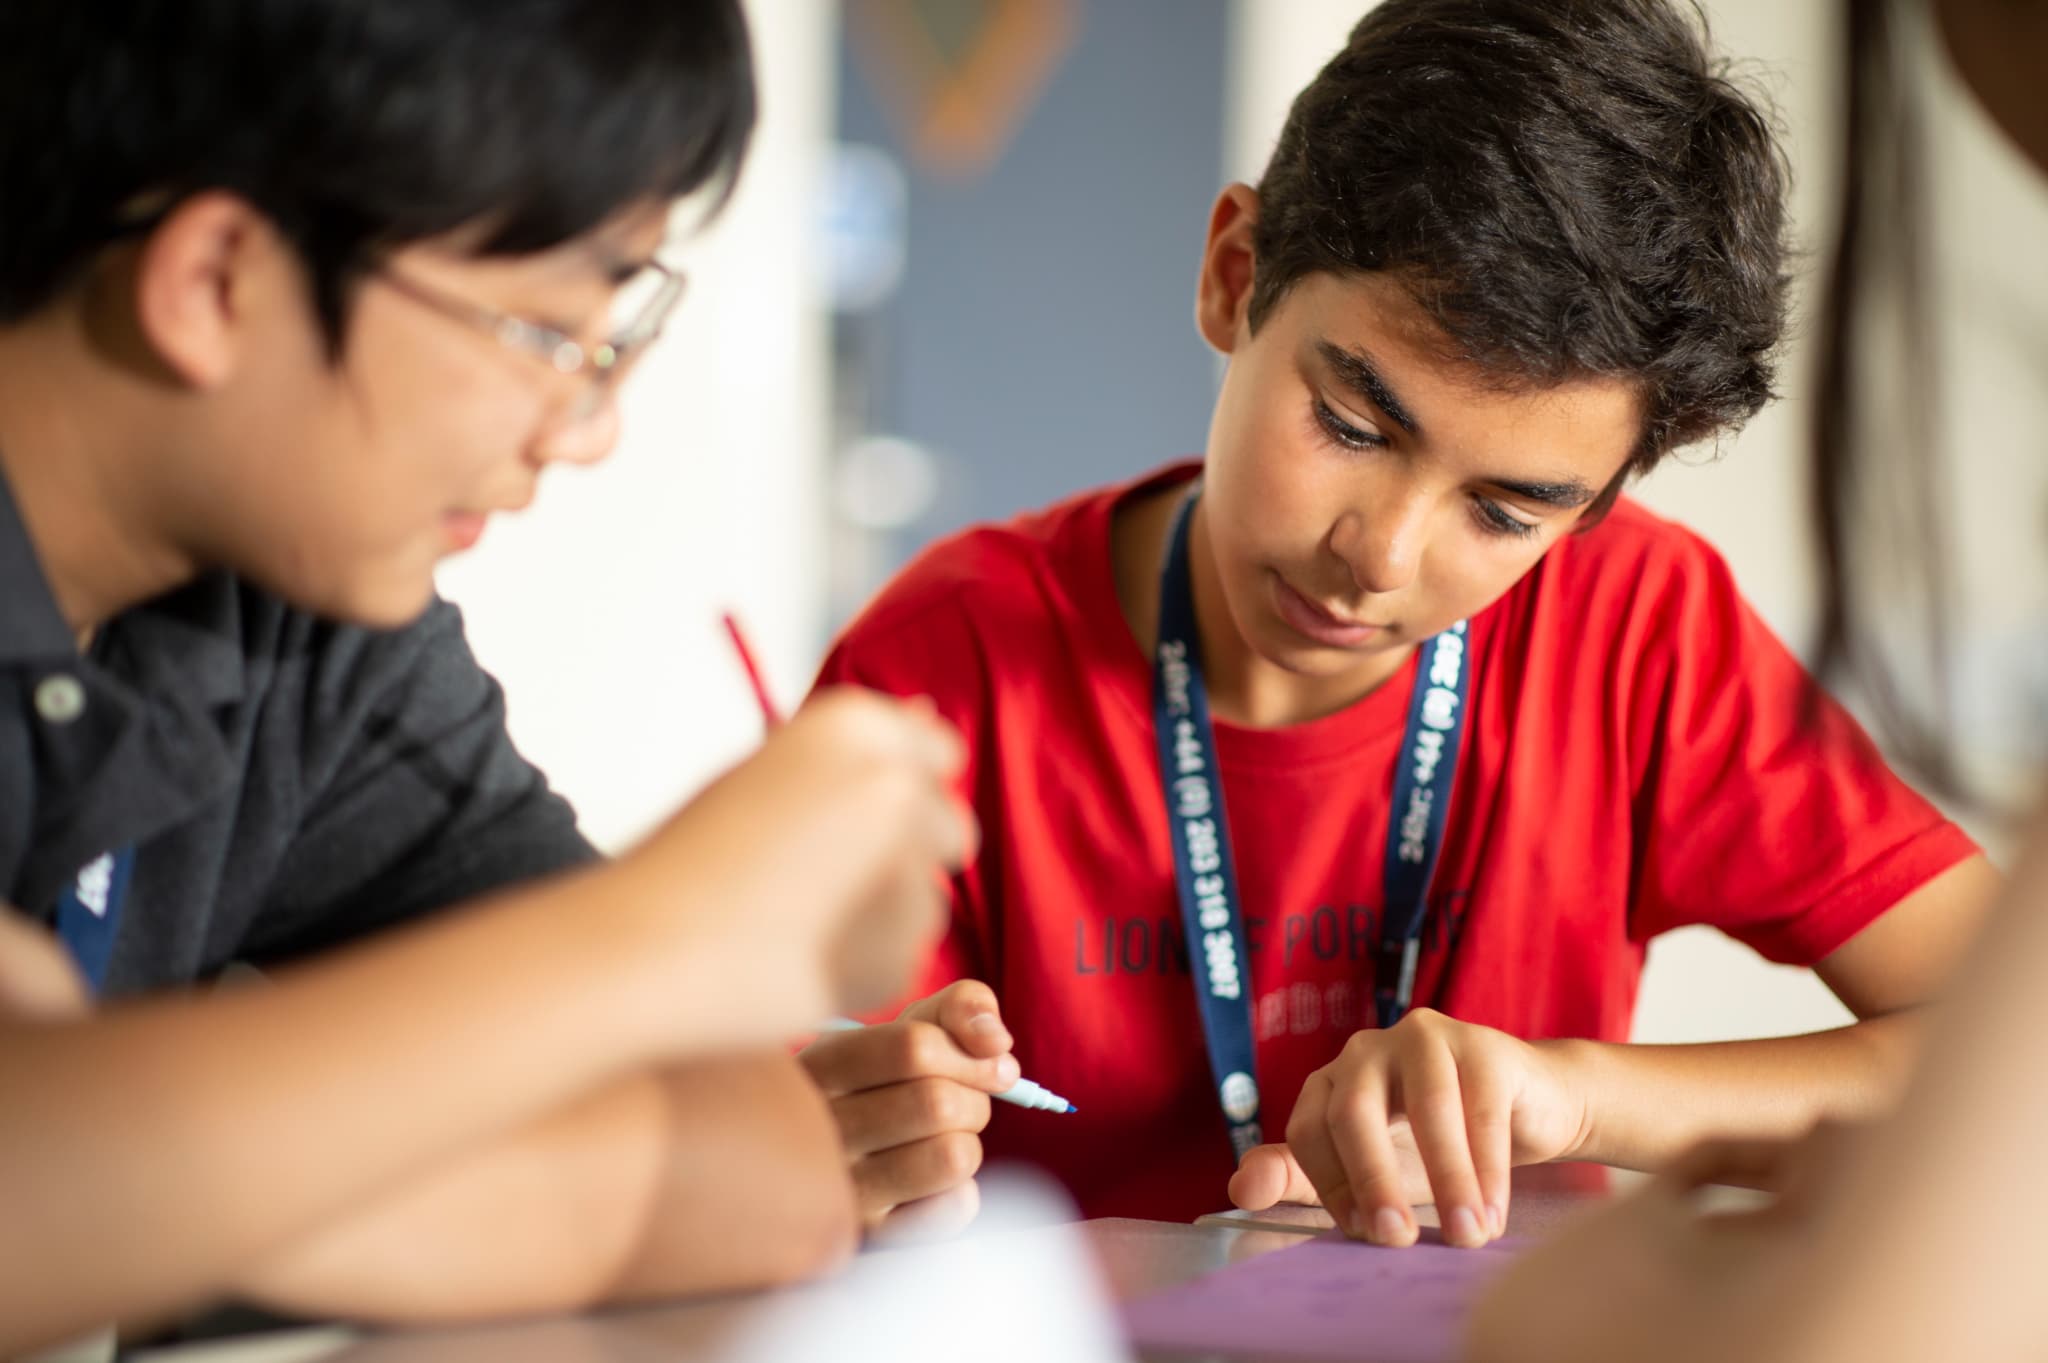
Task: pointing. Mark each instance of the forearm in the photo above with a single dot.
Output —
(1925, 1248)
(716, 1176)
(762, 1197)
(211, 1129)
(1644, 1105)
(1907, 1241)
(151, 1153)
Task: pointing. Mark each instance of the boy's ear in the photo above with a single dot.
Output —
(196, 281)
(1223, 294)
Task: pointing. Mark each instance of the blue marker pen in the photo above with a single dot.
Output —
(1023, 1093)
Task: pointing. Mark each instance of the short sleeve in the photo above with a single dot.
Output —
(413, 796)
(1761, 806)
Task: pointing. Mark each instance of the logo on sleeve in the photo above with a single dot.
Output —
(96, 884)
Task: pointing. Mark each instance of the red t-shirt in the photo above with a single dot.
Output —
(1637, 758)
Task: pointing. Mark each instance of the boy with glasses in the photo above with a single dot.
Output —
(293, 296)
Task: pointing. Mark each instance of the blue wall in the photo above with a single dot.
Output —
(1042, 340)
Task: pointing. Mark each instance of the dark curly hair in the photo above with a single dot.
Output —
(1571, 188)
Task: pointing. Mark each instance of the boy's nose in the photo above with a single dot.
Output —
(1382, 543)
(584, 434)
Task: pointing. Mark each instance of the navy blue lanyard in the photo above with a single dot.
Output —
(89, 913)
(1202, 864)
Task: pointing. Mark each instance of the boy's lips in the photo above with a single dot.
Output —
(465, 528)
(1318, 623)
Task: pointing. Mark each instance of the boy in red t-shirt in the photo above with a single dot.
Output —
(1481, 729)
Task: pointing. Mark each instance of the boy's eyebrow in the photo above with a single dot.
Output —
(620, 266)
(1362, 376)
(1566, 496)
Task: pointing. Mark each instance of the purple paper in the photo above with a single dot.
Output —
(1326, 1299)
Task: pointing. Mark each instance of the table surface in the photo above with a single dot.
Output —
(1136, 1257)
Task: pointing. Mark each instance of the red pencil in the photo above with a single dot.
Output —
(754, 674)
(769, 714)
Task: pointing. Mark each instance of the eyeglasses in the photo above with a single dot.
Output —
(640, 308)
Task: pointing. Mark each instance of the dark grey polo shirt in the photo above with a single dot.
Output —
(288, 784)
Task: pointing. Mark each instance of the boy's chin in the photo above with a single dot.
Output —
(385, 604)
(1291, 652)
(393, 610)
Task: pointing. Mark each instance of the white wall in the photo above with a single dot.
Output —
(1750, 499)
(598, 609)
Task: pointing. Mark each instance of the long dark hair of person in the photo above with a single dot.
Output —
(1876, 497)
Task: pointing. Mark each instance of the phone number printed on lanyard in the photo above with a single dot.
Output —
(1194, 804)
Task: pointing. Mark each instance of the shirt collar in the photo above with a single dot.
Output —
(186, 643)
(32, 629)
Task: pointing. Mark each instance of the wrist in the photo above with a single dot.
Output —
(1574, 1066)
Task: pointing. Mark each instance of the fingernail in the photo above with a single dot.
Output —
(1464, 1228)
(1389, 1227)
(1008, 1071)
(985, 1024)
(1497, 1218)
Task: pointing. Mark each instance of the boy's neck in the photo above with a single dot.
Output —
(69, 462)
(1244, 689)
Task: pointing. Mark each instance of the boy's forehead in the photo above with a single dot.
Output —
(640, 229)
(633, 235)
(1377, 314)
(628, 239)
(1376, 318)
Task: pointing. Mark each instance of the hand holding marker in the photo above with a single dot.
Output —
(1023, 1093)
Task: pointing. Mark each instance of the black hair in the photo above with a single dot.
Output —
(356, 126)
(1877, 505)
(1570, 188)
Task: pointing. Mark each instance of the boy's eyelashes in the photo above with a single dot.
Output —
(1496, 519)
(1343, 432)
(1492, 517)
